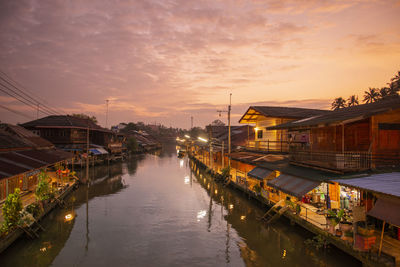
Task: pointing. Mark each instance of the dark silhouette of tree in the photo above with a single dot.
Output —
(396, 81)
(84, 116)
(371, 95)
(383, 92)
(338, 103)
(352, 101)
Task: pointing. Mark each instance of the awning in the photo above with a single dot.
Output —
(293, 185)
(98, 151)
(259, 173)
(387, 183)
(387, 209)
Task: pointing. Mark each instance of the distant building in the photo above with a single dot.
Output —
(70, 133)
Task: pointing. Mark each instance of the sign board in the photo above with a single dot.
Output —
(359, 214)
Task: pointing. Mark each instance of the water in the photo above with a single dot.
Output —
(153, 211)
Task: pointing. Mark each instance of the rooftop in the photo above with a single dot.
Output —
(344, 115)
(253, 112)
(64, 121)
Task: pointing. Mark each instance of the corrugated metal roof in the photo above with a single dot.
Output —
(387, 210)
(64, 121)
(259, 173)
(386, 183)
(348, 114)
(293, 185)
(17, 162)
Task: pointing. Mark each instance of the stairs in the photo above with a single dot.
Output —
(275, 212)
(32, 228)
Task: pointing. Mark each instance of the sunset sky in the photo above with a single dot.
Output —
(164, 61)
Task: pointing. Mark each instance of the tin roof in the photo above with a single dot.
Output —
(386, 183)
(18, 162)
(64, 121)
(344, 115)
(253, 112)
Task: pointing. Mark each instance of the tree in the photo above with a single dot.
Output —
(132, 144)
(43, 189)
(217, 123)
(383, 92)
(352, 101)
(84, 116)
(396, 81)
(338, 103)
(11, 210)
(371, 95)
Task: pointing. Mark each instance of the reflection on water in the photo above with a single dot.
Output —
(152, 211)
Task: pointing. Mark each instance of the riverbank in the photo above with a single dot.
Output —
(314, 225)
(29, 198)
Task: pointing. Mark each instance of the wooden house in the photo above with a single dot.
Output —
(275, 140)
(70, 133)
(350, 139)
(22, 155)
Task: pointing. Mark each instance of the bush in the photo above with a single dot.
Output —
(11, 211)
(43, 189)
(225, 172)
(34, 209)
(132, 144)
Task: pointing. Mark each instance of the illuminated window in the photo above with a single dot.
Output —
(260, 134)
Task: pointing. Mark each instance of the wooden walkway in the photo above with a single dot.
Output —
(390, 246)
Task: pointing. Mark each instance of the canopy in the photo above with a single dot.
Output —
(259, 173)
(98, 151)
(293, 185)
(387, 183)
(387, 209)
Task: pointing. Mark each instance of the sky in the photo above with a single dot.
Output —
(164, 61)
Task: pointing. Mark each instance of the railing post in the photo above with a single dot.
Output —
(268, 145)
(281, 146)
(306, 214)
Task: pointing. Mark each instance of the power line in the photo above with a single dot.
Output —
(16, 85)
(16, 112)
(22, 101)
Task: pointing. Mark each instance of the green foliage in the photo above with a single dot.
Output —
(335, 216)
(318, 242)
(43, 189)
(132, 144)
(34, 209)
(225, 171)
(11, 211)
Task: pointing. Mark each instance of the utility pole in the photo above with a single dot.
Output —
(87, 155)
(107, 100)
(229, 129)
(222, 154)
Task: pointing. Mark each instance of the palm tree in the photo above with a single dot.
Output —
(371, 95)
(338, 103)
(392, 89)
(352, 101)
(383, 92)
(396, 81)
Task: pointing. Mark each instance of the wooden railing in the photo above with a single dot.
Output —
(271, 146)
(347, 161)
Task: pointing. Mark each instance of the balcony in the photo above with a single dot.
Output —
(336, 161)
(270, 146)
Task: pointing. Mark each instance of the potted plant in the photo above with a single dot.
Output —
(333, 218)
(11, 212)
(43, 190)
(345, 224)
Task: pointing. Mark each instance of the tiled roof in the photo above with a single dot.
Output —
(64, 121)
(348, 114)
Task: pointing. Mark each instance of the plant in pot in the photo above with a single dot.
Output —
(43, 190)
(345, 224)
(333, 218)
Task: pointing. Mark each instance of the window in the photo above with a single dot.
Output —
(259, 134)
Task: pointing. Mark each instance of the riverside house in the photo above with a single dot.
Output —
(267, 116)
(342, 181)
(70, 133)
(23, 155)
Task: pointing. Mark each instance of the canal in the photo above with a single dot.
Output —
(153, 211)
